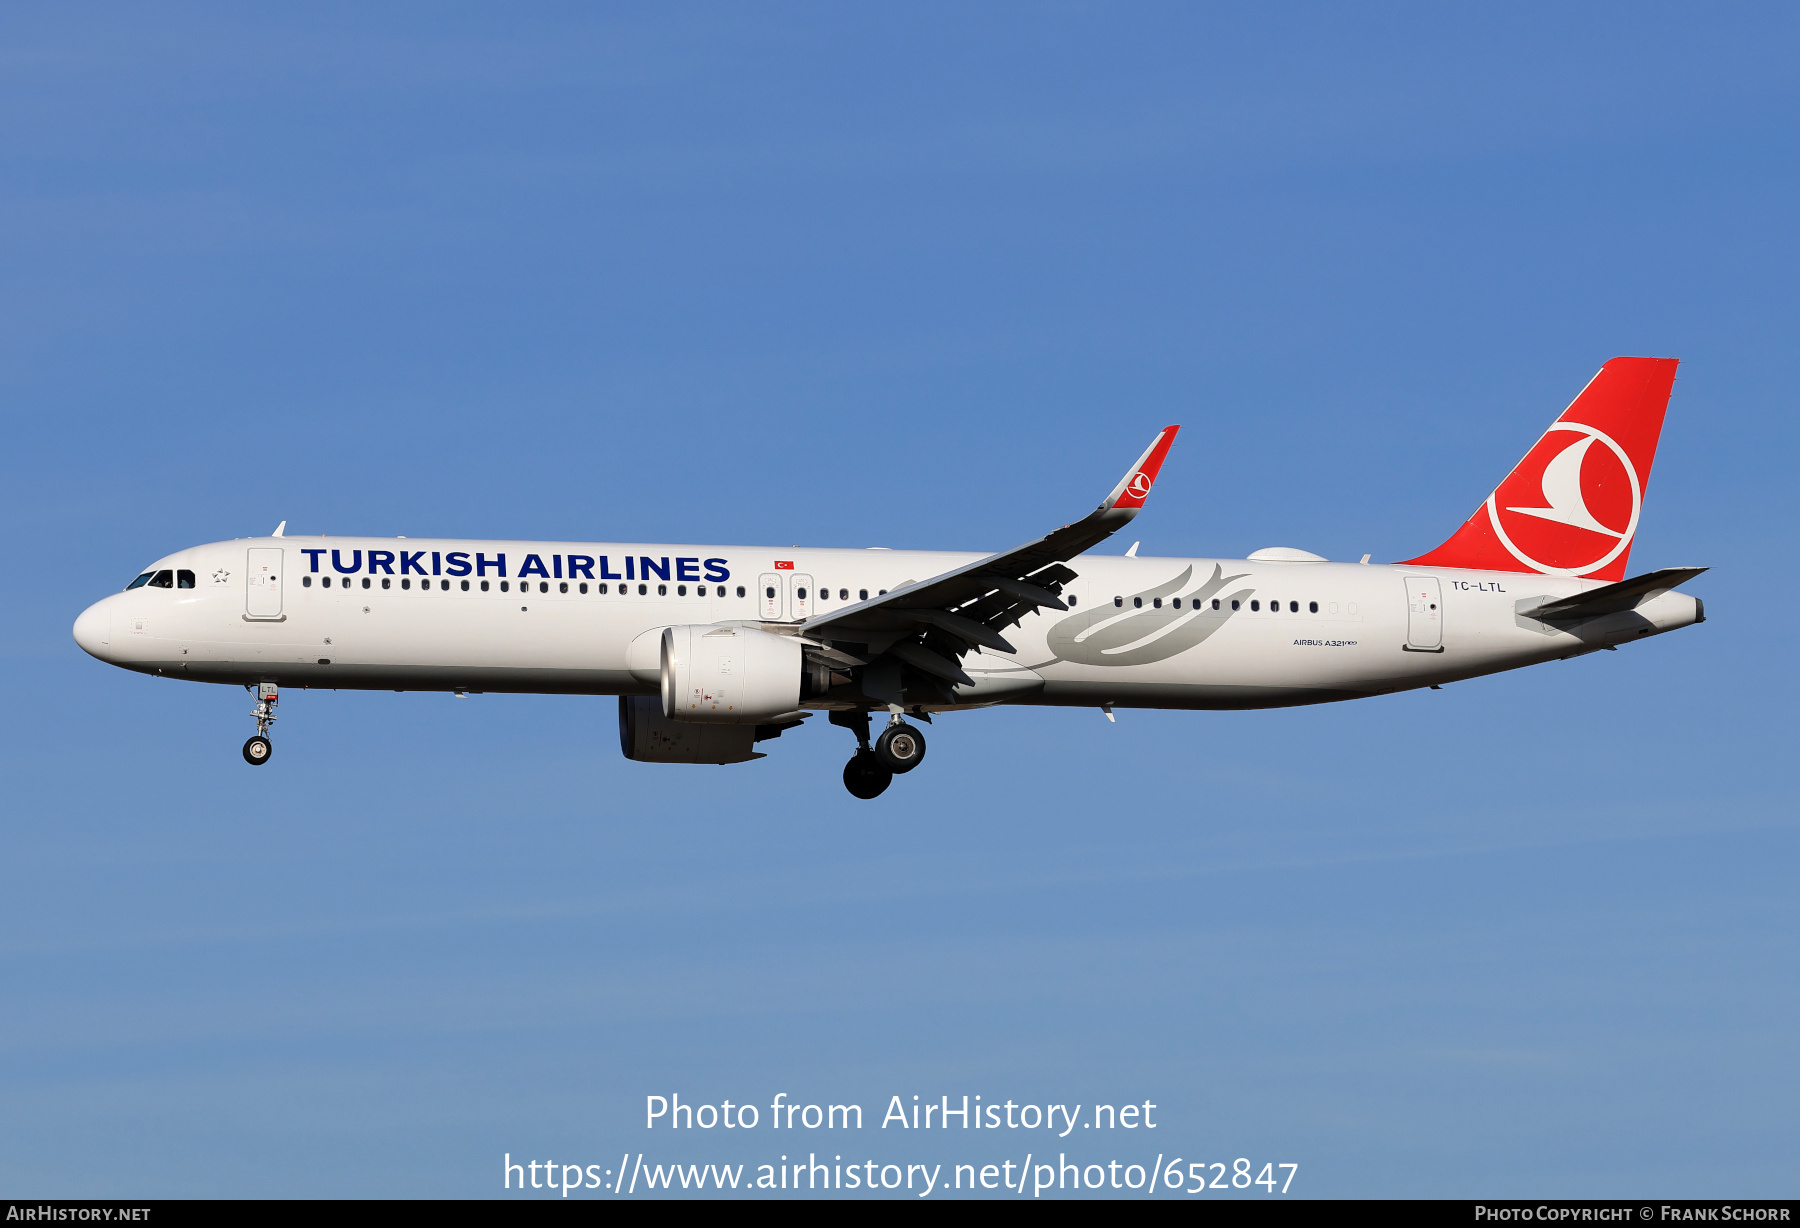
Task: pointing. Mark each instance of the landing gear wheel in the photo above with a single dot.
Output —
(865, 776)
(901, 748)
(257, 751)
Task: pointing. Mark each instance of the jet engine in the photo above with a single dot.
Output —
(647, 736)
(735, 675)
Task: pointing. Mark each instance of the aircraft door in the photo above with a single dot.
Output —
(803, 595)
(769, 596)
(1424, 614)
(262, 597)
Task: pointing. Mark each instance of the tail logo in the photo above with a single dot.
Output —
(1139, 485)
(1562, 486)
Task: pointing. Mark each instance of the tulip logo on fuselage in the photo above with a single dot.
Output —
(1154, 625)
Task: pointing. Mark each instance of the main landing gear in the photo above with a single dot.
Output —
(258, 749)
(898, 750)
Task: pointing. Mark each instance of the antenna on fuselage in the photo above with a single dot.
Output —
(278, 529)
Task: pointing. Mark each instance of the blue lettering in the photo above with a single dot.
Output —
(628, 566)
(412, 561)
(716, 570)
(648, 567)
(582, 567)
(482, 563)
(456, 563)
(687, 569)
(337, 562)
(534, 566)
(314, 556)
(606, 571)
(437, 564)
(381, 560)
(556, 566)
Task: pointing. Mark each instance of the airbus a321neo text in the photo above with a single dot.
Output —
(713, 650)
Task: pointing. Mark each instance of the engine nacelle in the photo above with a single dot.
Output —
(648, 736)
(729, 675)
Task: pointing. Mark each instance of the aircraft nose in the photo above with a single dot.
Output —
(93, 630)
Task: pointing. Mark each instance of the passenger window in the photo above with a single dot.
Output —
(163, 579)
(681, 590)
(1176, 603)
(722, 590)
(140, 581)
(1254, 605)
(740, 591)
(1234, 605)
(184, 579)
(1156, 603)
(385, 583)
(503, 587)
(769, 593)
(305, 581)
(1312, 607)
(1071, 597)
(1137, 603)
(800, 593)
(1293, 607)
(484, 586)
(643, 590)
(1118, 601)
(600, 589)
(582, 587)
(406, 584)
(662, 590)
(883, 593)
(1216, 604)
(843, 594)
(464, 583)
(862, 594)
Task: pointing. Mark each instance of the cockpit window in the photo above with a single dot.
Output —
(140, 581)
(163, 579)
(184, 579)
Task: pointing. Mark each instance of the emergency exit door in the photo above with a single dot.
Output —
(262, 595)
(802, 596)
(769, 593)
(1424, 614)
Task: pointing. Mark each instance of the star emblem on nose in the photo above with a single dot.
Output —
(220, 576)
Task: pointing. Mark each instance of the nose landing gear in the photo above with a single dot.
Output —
(258, 749)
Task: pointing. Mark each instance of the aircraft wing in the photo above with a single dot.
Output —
(929, 624)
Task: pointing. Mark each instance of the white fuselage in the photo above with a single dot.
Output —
(412, 614)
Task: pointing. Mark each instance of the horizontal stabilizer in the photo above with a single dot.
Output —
(1614, 598)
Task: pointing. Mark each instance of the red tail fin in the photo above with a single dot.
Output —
(1570, 508)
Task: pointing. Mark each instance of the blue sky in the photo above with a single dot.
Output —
(925, 276)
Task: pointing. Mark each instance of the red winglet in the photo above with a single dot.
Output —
(1130, 493)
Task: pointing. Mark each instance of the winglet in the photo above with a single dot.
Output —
(1134, 487)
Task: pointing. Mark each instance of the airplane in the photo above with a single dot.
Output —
(715, 650)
